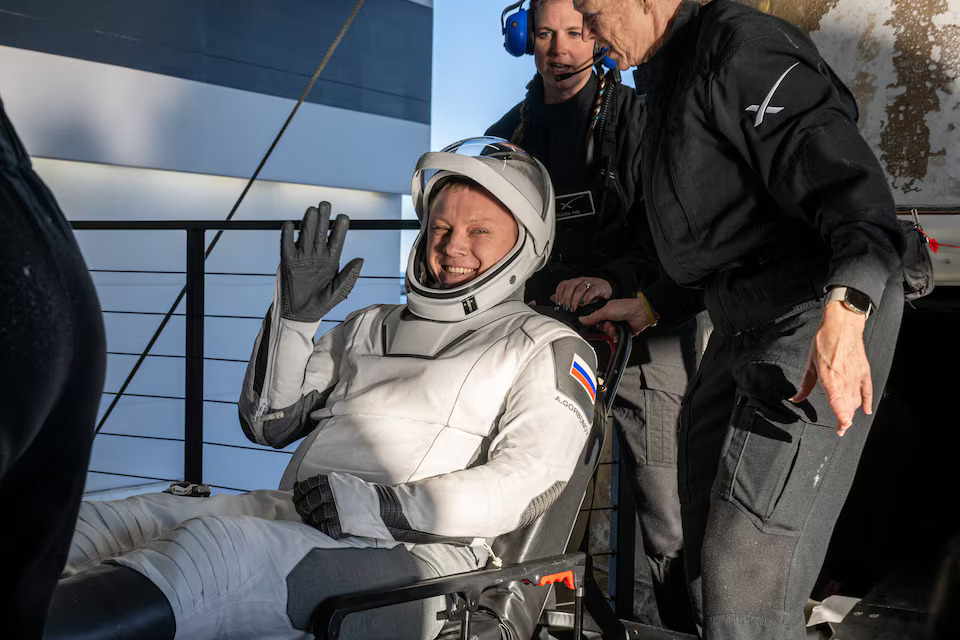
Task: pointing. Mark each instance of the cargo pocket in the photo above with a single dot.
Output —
(774, 471)
(662, 411)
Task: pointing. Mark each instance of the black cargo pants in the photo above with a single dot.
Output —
(762, 480)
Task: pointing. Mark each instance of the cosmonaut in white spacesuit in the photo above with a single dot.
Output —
(429, 428)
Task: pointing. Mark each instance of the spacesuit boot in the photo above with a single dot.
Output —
(109, 602)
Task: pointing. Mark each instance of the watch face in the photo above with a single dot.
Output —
(857, 300)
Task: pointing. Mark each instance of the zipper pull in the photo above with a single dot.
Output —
(262, 406)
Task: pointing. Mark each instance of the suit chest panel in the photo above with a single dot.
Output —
(463, 388)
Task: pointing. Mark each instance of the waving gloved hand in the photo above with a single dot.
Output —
(310, 283)
(313, 499)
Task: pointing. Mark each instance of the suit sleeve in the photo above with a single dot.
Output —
(288, 377)
(794, 122)
(544, 425)
(673, 303)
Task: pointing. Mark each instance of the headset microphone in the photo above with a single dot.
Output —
(597, 57)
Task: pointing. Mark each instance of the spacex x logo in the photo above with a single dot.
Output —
(764, 107)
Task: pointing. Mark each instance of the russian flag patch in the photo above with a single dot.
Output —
(580, 371)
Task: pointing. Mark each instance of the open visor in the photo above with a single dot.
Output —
(510, 174)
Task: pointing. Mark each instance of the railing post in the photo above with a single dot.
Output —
(193, 396)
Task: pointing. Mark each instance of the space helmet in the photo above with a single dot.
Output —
(522, 185)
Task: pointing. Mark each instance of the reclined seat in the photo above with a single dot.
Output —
(506, 603)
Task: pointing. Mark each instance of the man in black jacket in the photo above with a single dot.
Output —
(585, 128)
(761, 191)
(52, 358)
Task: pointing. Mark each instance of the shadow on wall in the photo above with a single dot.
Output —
(901, 508)
(945, 622)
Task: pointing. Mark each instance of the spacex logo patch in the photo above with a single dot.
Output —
(764, 107)
(575, 205)
(580, 371)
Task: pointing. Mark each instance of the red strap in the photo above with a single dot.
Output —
(934, 245)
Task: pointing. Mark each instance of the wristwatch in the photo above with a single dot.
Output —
(854, 300)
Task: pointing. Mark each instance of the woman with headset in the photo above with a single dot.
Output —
(585, 127)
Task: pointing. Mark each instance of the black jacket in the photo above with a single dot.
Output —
(600, 220)
(755, 174)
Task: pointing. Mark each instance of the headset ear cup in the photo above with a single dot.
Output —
(516, 34)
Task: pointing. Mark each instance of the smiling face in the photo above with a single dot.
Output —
(469, 232)
(559, 47)
(633, 28)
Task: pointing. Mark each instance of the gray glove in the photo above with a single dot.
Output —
(310, 283)
(314, 501)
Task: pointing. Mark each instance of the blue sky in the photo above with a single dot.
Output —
(475, 81)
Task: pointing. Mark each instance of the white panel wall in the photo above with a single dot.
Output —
(89, 191)
(79, 110)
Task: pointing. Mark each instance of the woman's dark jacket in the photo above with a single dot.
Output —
(601, 227)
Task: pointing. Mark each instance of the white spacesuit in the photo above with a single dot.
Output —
(431, 428)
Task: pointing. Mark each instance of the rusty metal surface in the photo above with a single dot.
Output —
(901, 58)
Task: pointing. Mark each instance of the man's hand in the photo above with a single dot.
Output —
(629, 309)
(839, 360)
(314, 501)
(577, 292)
(310, 284)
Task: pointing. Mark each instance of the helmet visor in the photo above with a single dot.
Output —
(526, 175)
